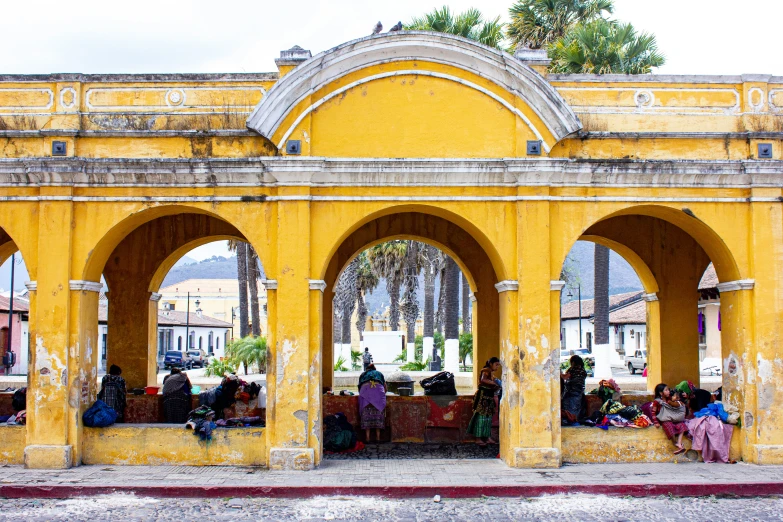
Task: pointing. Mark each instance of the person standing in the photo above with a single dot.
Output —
(366, 359)
(372, 401)
(484, 404)
(113, 391)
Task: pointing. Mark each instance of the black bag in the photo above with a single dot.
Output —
(439, 384)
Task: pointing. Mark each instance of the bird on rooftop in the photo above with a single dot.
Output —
(378, 28)
(396, 27)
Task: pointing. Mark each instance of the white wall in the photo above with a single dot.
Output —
(202, 332)
(571, 338)
(384, 346)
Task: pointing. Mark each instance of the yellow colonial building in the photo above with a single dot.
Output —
(408, 135)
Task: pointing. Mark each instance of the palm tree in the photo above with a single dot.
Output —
(410, 301)
(239, 248)
(465, 304)
(605, 47)
(601, 291)
(539, 23)
(432, 261)
(440, 314)
(387, 260)
(451, 319)
(465, 348)
(470, 24)
(344, 303)
(366, 281)
(252, 279)
(249, 351)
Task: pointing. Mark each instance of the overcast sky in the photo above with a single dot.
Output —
(697, 36)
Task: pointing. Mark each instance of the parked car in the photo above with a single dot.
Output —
(199, 358)
(175, 359)
(584, 353)
(637, 361)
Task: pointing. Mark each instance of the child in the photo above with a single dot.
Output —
(669, 413)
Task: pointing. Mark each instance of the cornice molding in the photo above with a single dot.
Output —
(556, 286)
(85, 286)
(650, 297)
(270, 284)
(733, 286)
(317, 284)
(31, 286)
(155, 296)
(507, 286)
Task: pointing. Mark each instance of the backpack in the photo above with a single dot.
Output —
(99, 415)
(367, 358)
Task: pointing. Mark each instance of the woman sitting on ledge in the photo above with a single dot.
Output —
(669, 413)
(177, 400)
(372, 401)
(484, 404)
(573, 394)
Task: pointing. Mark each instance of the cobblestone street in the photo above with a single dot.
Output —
(572, 508)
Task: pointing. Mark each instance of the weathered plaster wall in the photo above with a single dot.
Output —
(172, 445)
(590, 445)
(12, 449)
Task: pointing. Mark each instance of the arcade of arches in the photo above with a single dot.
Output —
(321, 175)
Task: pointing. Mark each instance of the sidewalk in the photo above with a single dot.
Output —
(397, 479)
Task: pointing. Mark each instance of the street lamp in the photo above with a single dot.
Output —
(570, 294)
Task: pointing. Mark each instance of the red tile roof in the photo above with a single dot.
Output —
(570, 310)
(174, 318)
(20, 305)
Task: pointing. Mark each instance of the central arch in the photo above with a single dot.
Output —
(452, 239)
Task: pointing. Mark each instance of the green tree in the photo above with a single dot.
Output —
(538, 23)
(469, 24)
(366, 281)
(465, 348)
(387, 261)
(339, 364)
(220, 367)
(248, 351)
(605, 47)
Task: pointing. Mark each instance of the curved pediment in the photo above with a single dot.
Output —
(413, 94)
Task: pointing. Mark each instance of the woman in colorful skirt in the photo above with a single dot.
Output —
(372, 402)
(484, 404)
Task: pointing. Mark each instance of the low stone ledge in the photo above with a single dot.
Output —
(172, 444)
(14, 437)
(586, 445)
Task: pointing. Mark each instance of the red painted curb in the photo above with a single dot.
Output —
(751, 489)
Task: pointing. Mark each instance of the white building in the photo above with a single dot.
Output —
(218, 298)
(174, 327)
(627, 325)
(628, 322)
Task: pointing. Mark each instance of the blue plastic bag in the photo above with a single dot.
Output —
(99, 415)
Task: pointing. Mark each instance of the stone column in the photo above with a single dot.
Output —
(530, 414)
(152, 340)
(751, 337)
(653, 340)
(292, 411)
(315, 373)
(83, 358)
(49, 414)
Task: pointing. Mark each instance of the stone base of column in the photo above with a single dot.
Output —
(535, 458)
(762, 454)
(299, 459)
(451, 364)
(47, 457)
(410, 352)
(603, 361)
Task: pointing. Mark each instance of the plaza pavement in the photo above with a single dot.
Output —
(397, 478)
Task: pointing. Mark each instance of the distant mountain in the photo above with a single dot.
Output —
(216, 267)
(622, 278)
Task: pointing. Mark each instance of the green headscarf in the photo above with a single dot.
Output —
(684, 387)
